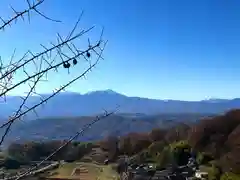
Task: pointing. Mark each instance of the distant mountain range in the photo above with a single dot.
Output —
(68, 104)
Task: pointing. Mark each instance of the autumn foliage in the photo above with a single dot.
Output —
(216, 138)
(220, 137)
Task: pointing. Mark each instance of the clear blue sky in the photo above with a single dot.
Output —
(165, 49)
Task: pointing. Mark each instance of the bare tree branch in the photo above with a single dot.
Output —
(19, 14)
(60, 89)
(47, 69)
(80, 133)
(18, 112)
(48, 18)
(44, 52)
(64, 53)
(18, 115)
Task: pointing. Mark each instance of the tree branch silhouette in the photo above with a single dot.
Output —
(21, 14)
(63, 54)
(64, 51)
(18, 114)
(80, 133)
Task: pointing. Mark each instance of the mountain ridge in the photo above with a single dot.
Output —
(73, 104)
(110, 91)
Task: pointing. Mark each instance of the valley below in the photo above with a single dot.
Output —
(150, 143)
(60, 128)
(155, 147)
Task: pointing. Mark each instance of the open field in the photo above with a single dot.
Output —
(84, 171)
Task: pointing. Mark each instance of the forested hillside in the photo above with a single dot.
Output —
(117, 125)
(215, 140)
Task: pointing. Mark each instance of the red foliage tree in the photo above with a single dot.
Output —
(230, 162)
(157, 134)
(214, 130)
(139, 142)
(233, 140)
(110, 144)
(177, 133)
(133, 143)
(125, 145)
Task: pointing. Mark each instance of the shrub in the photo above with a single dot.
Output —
(10, 163)
(204, 158)
(230, 176)
(214, 173)
(164, 158)
(181, 152)
(156, 148)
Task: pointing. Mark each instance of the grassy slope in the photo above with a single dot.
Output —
(100, 172)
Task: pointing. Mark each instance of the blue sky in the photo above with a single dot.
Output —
(166, 49)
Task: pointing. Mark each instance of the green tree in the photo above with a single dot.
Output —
(155, 148)
(17, 153)
(10, 163)
(230, 176)
(214, 173)
(181, 152)
(204, 158)
(164, 158)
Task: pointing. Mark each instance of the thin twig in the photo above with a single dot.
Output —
(59, 90)
(48, 18)
(80, 133)
(46, 70)
(20, 108)
(44, 52)
(20, 14)
(86, 127)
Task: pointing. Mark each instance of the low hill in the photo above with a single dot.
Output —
(63, 128)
